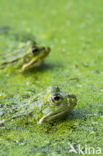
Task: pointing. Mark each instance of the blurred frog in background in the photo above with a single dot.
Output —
(28, 55)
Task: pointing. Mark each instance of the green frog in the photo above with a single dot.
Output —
(27, 56)
(47, 106)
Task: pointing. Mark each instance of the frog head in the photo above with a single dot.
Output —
(56, 103)
(34, 56)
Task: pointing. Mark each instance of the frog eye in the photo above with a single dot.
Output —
(35, 50)
(56, 98)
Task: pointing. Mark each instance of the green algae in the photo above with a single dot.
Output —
(73, 30)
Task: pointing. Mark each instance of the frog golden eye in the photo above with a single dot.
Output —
(56, 98)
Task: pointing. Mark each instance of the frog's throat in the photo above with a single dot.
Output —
(51, 116)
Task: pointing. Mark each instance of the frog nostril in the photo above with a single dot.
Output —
(43, 48)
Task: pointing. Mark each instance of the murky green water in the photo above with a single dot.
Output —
(74, 31)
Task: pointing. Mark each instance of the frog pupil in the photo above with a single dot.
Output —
(34, 50)
(56, 98)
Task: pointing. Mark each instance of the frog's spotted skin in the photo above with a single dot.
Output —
(27, 55)
(45, 107)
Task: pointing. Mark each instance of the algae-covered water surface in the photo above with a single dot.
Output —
(74, 31)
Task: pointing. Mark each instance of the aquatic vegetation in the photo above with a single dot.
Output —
(73, 30)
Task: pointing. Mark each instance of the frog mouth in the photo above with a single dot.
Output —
(51, 116)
